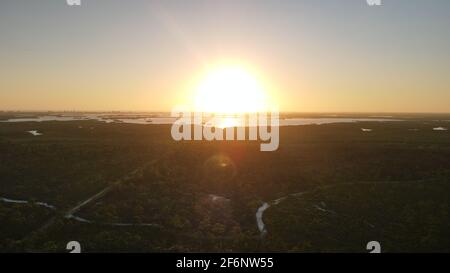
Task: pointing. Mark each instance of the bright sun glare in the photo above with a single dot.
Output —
(230, 90)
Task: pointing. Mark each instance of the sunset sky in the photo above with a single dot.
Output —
(324, 56)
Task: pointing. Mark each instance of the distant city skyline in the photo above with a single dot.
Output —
(309, 56)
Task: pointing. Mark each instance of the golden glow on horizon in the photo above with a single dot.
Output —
(227, 122)
(228, 90)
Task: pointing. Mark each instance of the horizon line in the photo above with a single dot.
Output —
(167, 111)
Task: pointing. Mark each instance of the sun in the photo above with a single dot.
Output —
(230, 90)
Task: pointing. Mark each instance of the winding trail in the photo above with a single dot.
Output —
(77, 218)
(15, 201)
(259, 213)
(266, 205)
(70, 213)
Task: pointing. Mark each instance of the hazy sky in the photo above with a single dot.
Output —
(313, 55)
